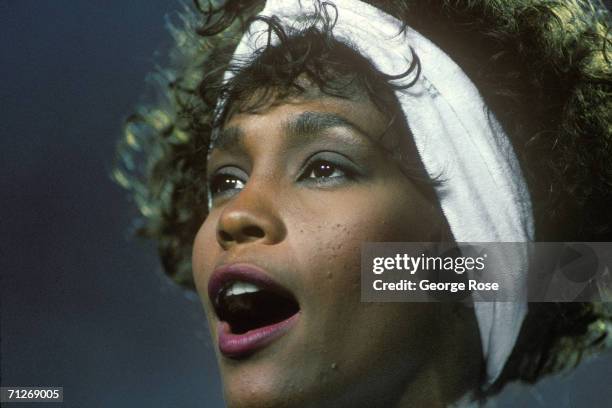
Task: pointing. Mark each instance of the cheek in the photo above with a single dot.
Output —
(330, 241)
(205, 251)
(357, 336)
(329, 234)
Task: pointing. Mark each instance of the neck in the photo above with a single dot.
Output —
(453, 372)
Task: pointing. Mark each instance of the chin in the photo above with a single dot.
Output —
(261, 391)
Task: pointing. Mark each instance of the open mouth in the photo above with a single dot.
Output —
(246, 306)
(252, 309)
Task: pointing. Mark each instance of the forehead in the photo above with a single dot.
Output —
(301, 90)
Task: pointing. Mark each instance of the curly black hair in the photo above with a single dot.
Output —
(542, 67)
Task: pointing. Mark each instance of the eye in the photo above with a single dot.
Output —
(227, 180)
(329, 169)
(322, 169)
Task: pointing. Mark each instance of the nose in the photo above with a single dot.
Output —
(250, 217)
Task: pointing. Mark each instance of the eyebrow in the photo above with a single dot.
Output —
(301, 129)
(311, 124)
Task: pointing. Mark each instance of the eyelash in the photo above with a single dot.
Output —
(221, 180)
(225, 179)
(326, 165)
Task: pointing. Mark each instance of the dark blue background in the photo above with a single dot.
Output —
(84, 305)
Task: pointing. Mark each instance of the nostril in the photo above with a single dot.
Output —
(253, 231)
(225, 236)
(247, 233)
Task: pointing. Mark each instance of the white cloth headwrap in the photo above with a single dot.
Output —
(483, 194)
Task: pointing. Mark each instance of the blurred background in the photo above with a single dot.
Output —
(83, 304)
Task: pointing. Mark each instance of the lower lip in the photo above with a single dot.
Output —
(241, 345)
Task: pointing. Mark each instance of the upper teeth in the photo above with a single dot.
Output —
(238, 288)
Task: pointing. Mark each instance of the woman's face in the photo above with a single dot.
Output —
(296, 189)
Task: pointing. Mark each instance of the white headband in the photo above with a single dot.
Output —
(483, 194)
